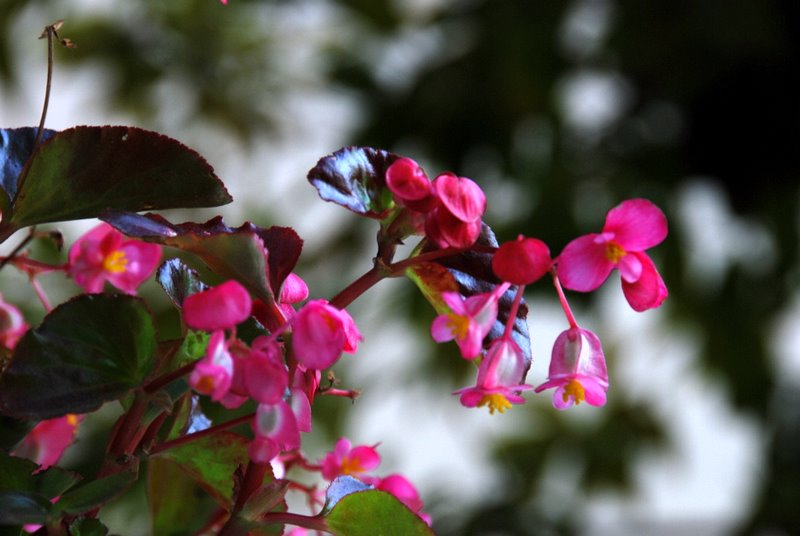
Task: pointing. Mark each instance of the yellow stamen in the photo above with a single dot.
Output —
(72, 419)
(614, 252)
(575, 390)
(351, 466)
(458, 324)
(115, 262)
(496, 402)
(205, 385)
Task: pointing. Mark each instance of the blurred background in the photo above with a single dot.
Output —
(560, 110)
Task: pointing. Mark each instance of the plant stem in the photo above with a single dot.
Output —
(168, 378)
(563, 299)
(307, 522)
(177, 442)
(512, 313)
(358, 287)
(48, 32)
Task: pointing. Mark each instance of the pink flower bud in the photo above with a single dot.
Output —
(220, 307)
(48, 440)
(320, 332)
(521, 261)
(445, 230)
(410, 186)
(462, 197)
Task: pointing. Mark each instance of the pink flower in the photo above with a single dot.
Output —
(409, 185)
(404, 491)
(48, 440)
(320, 333)
(12, 324)
(264, 374)
(469, 320)
(344, 459)
(294, 290)
(521, 261)
(276, 430)
(103, 254)
(456, 220)
(220, 307)
(630, 228)
(499, 376)
(213, 374)
(577, 370)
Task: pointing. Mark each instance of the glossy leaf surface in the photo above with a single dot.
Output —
(373, 513)
(355, 177)
(82, 171)
(89, 350)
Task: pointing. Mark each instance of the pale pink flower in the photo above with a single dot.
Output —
(577, 370)
(220, 307)
(630, 228)
(345, 459)
(499, 378)
(48, 440)
(276, 430)
(103, 254)
(469, 320)
(213, 374)
(12, 324)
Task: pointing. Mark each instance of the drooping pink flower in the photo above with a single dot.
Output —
(12, 324)
(521, 261)
(404, 491)
(213, 374)
(220, 307)
(320, 333)
(456, 220)
(630, 228)
(469, 320)
(103, 254)
(265, 376)
(500, 376)
(276, 430)
(48, 440)
(577, 370)
(345, 459)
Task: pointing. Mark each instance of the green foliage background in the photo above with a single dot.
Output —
(698, 89)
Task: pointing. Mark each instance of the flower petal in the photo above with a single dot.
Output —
(637, 224)
(649, 291)
(583, 265)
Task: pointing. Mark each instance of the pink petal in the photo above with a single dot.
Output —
(583, 265)
(462, 197)
(301, 408)
(294, 289)
(265, 378)
(594, 391)
(221, 307)
(521, 261)
(637, 224)
(318, 335)
(649, 291)
(142, 260)
(277, 422)
(630, 268)
(441, 329)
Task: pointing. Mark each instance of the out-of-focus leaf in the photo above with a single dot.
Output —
(88, 526)
(235, 253)
(19, 507)
(16, 146)
(19, 474)
(211, 462)
(264, 500)
(13, 430)
(355, 177)
(96, 493)
(173, 499)
(179, 281)
(89, 350)
(373, 512)
(471, 273)
(82, 171)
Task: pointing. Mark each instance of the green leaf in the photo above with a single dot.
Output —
(19, 507)
(20, 474)
(16, 146)
(96, 493)
(174, 500)
(88, 526)
(212, 462)
(89, 350)
(355, 177)
(374, 513)
(82, 171)
(13, 430)
(179, 281)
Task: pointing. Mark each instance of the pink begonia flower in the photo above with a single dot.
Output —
(577, 370)
(521, 261)
(469, 321)
(320, 333)
(220, 307)
(301, 407)
(213, 374)
(630, 228)
(12, 324)
(404, 491)
(48, 440)
(276, 430)
(103, 254)
(294, 290)
(456, 221)
(345, 459)
(499, 375)
(264, 373)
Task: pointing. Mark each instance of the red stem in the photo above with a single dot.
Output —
(563, 299)
(177, 442)
(287, 518)
(512, 313)
(168, 378)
